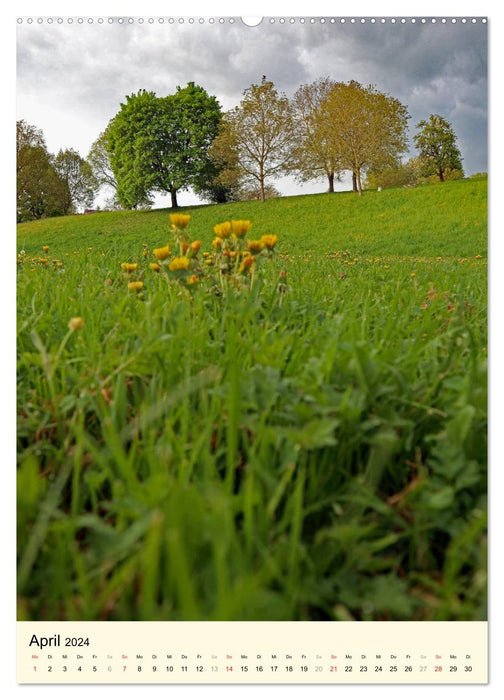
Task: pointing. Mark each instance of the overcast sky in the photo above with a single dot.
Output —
(71, 78)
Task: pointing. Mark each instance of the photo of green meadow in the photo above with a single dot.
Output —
(263, 397)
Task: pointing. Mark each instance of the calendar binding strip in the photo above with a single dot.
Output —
(129, 20)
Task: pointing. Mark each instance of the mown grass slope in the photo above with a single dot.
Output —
(436, 220)
(312, 447)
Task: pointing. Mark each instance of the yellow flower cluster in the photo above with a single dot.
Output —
(223, 230)
(255, 246)
(181, 263)
(240, 227)
(135, 286)
(180, 221)
(233, 253)
(233, 256)
(162, 253)
(269, 240)
(75, 323)
(247, 263)
(185, 262)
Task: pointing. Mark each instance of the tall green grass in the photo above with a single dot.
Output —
(313, 448)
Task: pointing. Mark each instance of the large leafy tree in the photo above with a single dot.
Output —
(78, 175)
(41, 191)
(437, 145)
(314, 154)
(364, 127)
(160, 144)
(255, 138)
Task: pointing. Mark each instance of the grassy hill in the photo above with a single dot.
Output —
(447, 219)
(302, 440)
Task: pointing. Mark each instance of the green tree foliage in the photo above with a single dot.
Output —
(214, 188)
(314, 155)
(41, 191)
(160, 144)
(99, 160)
(437, 144)
(253, 192)
(78, 175)
(364, 127)
(255, 138)
(400, 174)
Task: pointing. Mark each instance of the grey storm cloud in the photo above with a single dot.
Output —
(78, 74)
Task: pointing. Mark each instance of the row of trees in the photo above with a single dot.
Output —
(439, 158)
(184, 140)
(326, 129)
(49, 185)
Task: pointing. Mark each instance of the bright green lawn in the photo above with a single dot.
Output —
(309, 451)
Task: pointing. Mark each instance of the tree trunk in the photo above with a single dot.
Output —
(359, 185)
(441, 176)
(354, 181)
(174, 202)
(262, 190)
(330, 177)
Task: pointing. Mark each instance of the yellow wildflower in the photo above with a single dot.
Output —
(180, 220)
(478, 257)
(192, 279)
(255, 246)
(135, 286)
(269, 240)
(195, 246)
(45, 248)
(223, 230)
(247, 263)
(241, 227)
(413, 274)
(162, 253)
(75, 323)
(179, 264)
(155, 267)
(129, 267)
(217, 242)
(185, 246)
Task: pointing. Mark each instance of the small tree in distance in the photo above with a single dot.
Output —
(99, 160)
(255, 138)
(78, 175)
(314, 155)
(437, 144)
(41, 191)
(364, 127)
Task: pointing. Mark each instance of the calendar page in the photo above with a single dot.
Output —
(252, 349)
